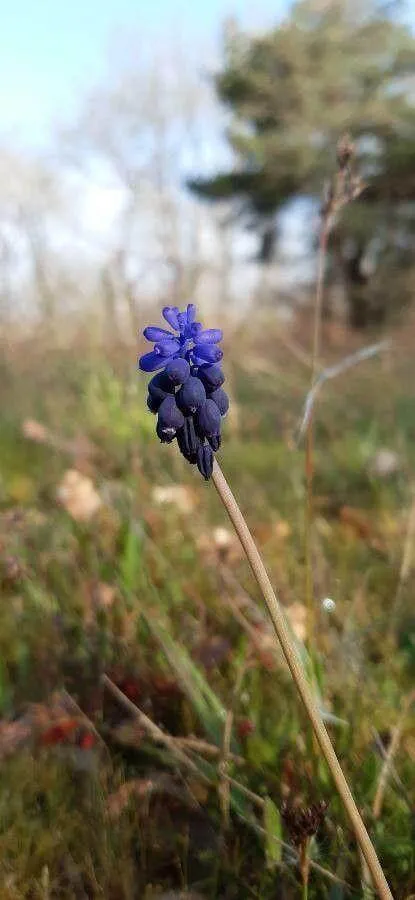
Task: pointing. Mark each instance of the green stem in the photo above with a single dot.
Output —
(297, 672)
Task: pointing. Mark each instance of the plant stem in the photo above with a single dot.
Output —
(318, 306)
(296, 669)
(309, 587)
(304, 867)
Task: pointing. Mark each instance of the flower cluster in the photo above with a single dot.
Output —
(186, 393)
(303, 821)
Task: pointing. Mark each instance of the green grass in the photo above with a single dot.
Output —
(167, 616)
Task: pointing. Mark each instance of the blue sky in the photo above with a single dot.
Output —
(52, 51)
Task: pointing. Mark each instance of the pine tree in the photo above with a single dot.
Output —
(331, 67)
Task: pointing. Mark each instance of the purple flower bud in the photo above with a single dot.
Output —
(191, 396)
(205, 461)
(210, 336)
(221, 399)
(215, 441)
(167, 348)
(211, 376)
(169, 414)
(188, 440)
(160, 387)
(153, 403)
(166, 435)
(152, 333)
(208, 419)
(150, 361)
(208, 352)
(177, 371)
(170, 314)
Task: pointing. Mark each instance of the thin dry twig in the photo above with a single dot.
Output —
(203, 748)
(407, 561)
(398, 783)
(385, 773)
(82, 715)
(390, 756)
(332, 372)
(152, 729)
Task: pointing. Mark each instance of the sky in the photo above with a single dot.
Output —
(53, 51)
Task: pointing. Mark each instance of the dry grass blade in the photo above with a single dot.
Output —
(83, 717)
(152, 729)
(385, 773)
(224, 786)
(203, 748)
(390, 756)
(407, 560)
(332, 372)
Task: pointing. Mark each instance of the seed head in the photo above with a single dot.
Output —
(302, 822)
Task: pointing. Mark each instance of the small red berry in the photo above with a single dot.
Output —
(245, 727)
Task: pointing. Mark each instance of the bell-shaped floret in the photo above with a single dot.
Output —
(221, 399)
(191, 396)
(205, 461)
(211, 376)
(208, 419)
(188, 440)
(160, 387)
(177, 371)
(170, 419)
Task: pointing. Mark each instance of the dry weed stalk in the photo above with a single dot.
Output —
(344, 187)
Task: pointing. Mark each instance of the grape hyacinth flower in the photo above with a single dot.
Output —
(186, 393)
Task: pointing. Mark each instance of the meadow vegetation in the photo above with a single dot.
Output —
(119, 570)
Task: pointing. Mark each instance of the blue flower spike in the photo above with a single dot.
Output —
(186, 392)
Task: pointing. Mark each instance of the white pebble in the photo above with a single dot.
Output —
(328, 604)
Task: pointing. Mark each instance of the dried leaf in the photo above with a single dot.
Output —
(384, 463)
(361, 525)
(14, 735)
(282, 530)
(35, 431)
(219, 544)
(357, 521)
(78, 496)
(178, 495)
(297, 615)
(98, 596)
(139, 788)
